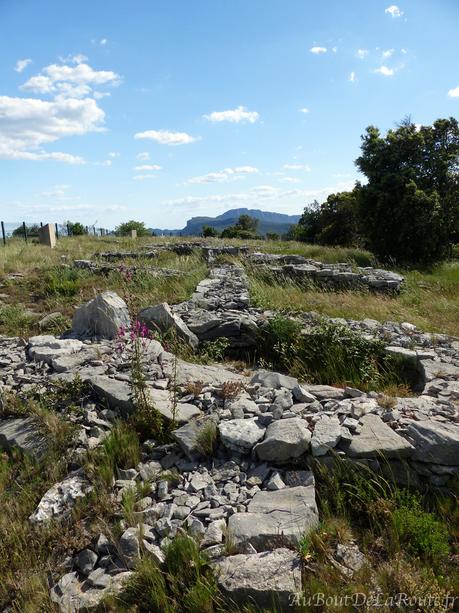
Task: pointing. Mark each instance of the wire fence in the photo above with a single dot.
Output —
(28, 232)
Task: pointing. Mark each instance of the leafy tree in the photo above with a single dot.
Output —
(247, 223)
(76, 228)
(31, 230)
(272, 236)
(410, 206)
(124, 229)
(246, 227)
(208, 231)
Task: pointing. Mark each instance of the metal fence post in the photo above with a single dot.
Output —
(3, 233)
(57, 230)
(68, 229)
(24, 229)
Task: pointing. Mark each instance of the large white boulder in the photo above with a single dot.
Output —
(101, 317)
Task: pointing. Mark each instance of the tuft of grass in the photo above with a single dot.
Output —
(16, 321)
(120, 449)
(206, 439)
(327, 354)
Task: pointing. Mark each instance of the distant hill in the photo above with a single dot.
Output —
(267, 222)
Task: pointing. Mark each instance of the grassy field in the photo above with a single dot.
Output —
(430, 299)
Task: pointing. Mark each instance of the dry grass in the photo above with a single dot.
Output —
(430, 300)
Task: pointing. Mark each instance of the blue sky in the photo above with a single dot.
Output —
(164, 110)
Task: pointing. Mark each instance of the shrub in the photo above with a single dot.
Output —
(421, 533)
(62, 282)
(328, 354)
(124, 229)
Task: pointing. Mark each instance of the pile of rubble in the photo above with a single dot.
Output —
(335, 276)
(250, 496)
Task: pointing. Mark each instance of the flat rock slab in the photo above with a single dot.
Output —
(119, 397)
(117, 393)
(186, 372)
(433, 370)
(285, 439)
(435, 442)
(376, 439)
(275, 380)
(46, 348)
(267, 579)
(275, 518)
(23, 434)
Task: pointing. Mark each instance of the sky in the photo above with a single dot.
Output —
(163, 110)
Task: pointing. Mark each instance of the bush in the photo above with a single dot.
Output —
(329, 354)
(62, 282)
(124, 229)
(419, 532)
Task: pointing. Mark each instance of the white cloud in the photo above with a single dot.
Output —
(22, 64)
(103, 42)
(165, 137)
(362, 53)
(261, 197)
(143, 177)
(352, 77)
(143, 156)
(304, 167)
(100, 95)
(385, 71)
(388, 53)
(454, 93)
(394, 11)
(290, 180)
(238, 115)
(225, 175)
(58, 191)
(26, 124)
(114, 154)
(318, 50)
(146, 167)
(70, 80)
(305, 110)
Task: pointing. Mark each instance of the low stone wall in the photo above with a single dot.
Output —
(335, 276)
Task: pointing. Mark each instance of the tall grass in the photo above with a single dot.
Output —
(429, 299)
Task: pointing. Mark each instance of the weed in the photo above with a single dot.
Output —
(62, 281)
(194, 387)
(14, 319)
(206, 439)
(214, 351)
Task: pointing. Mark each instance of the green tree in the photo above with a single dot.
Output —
(76, 228)
(124, 229)
(32, 230)
(247, 223)
(409, 208)
(246, 227)
(272, 236)
(209, 231)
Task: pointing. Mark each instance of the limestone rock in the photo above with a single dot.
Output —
(101, 317)
(327, 433)
(376, 438)
(267, 579)
(22, 433)
(59, 500)
(435, 442)
(275, 518)
(45, 348)
(160, 317)
(285, 439)
(240, 434)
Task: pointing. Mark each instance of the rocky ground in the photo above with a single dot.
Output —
(238, 473)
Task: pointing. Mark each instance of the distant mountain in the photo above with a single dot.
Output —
(267, 222)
